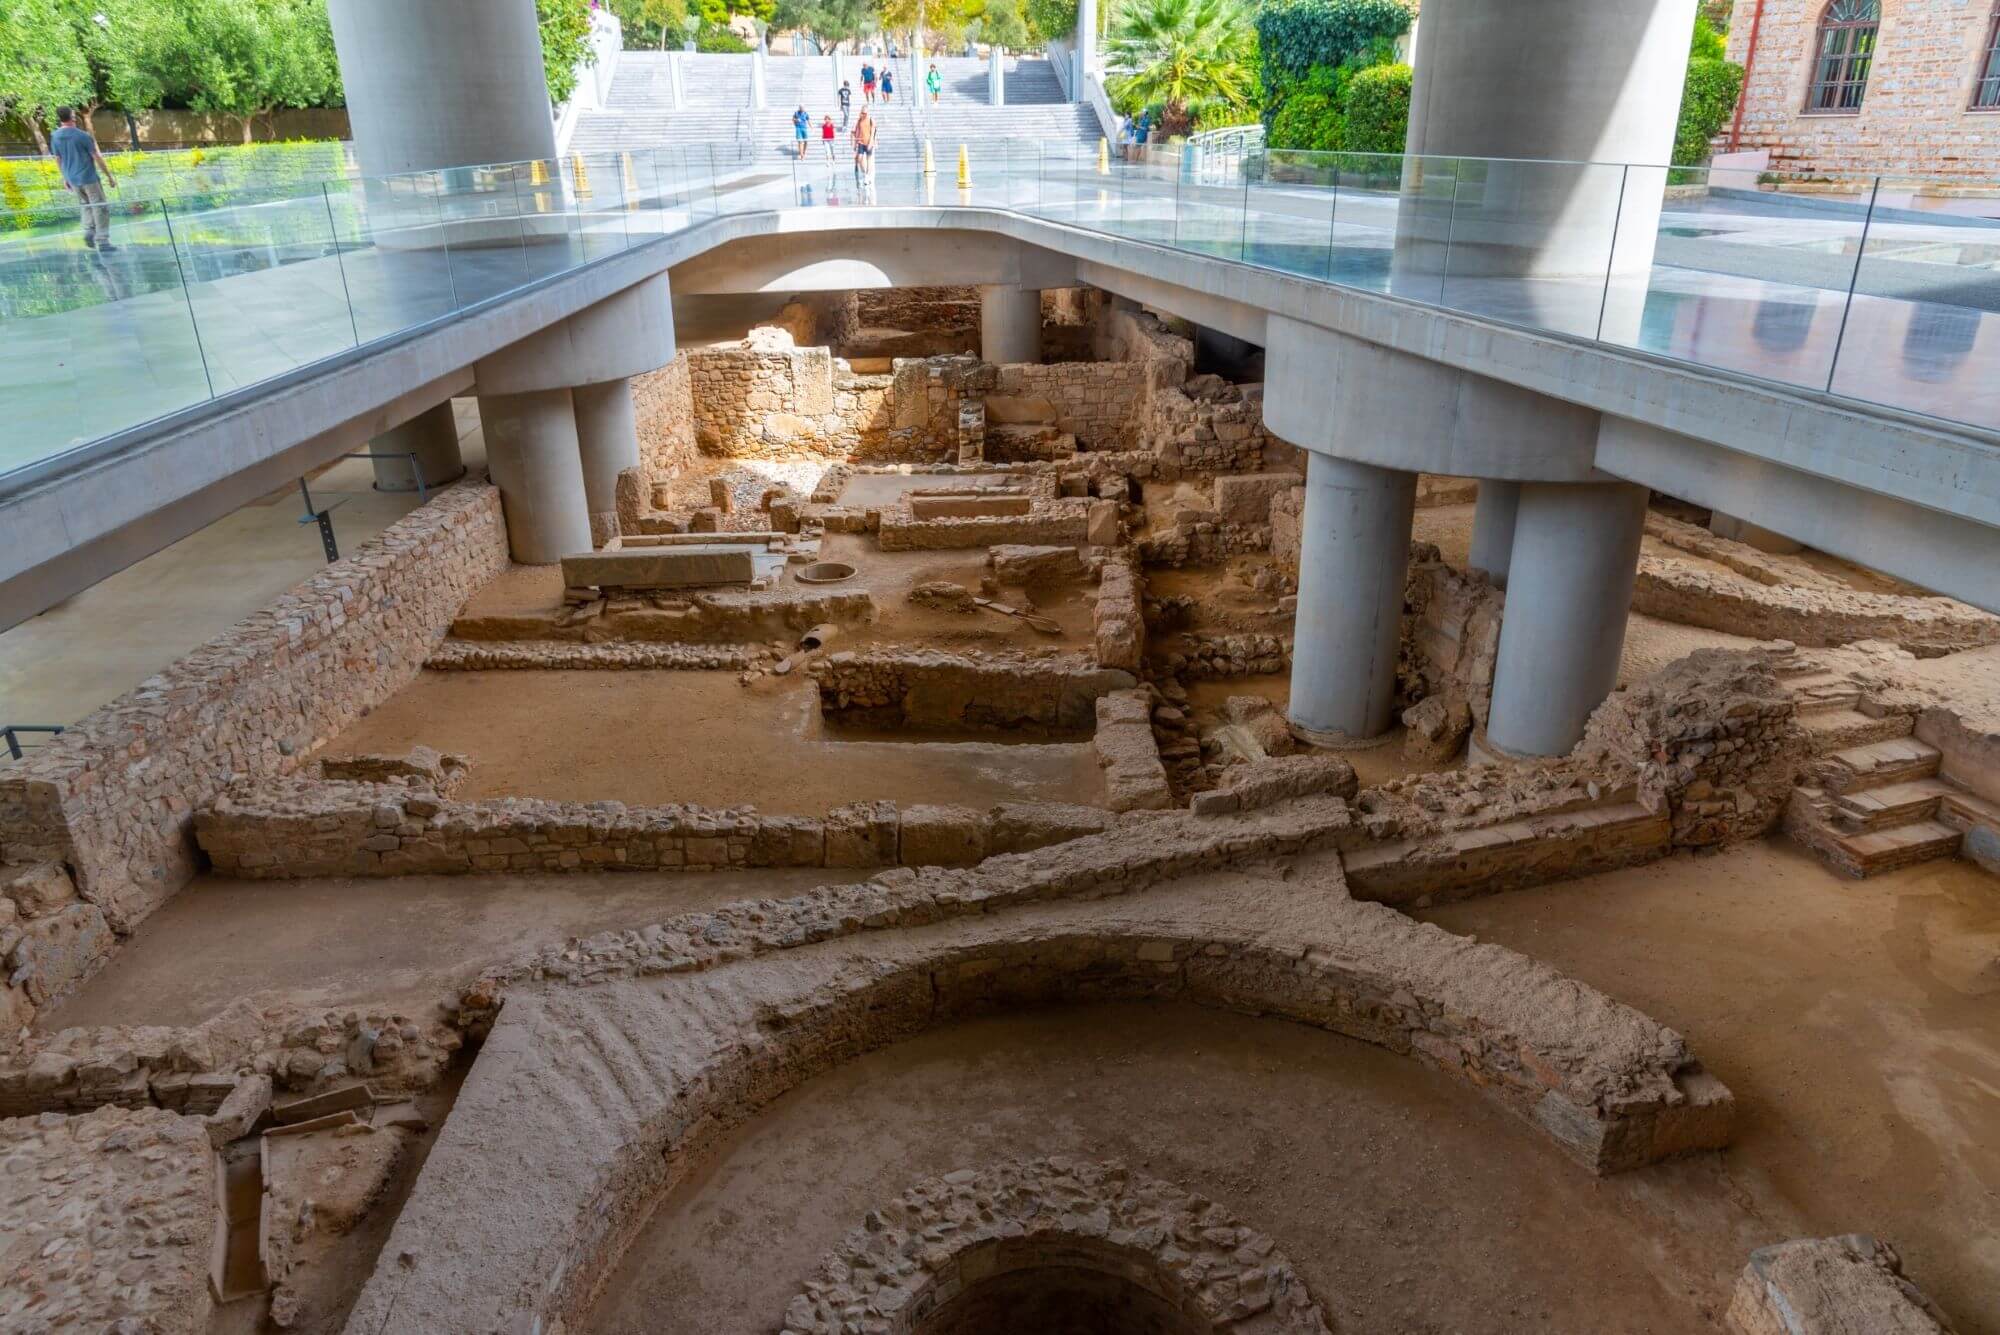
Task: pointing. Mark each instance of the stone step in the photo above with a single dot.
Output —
(1834, 730)
(1420, 872)
(1892, 804)
(1873, 852)
(1964, 811)
(1820, 697)
(1893, 760)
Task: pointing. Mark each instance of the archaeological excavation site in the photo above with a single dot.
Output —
(988, 824)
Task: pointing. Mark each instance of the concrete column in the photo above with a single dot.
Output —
(1010, 324)
(676, 81)
(432, 436)
(1569, 589)
(607, 433)
(444, 83)
(532, 453)
(1354, 551)
(757, 85)
(1608, 77)
(996, 77)
(1086, 42)
(1493, 529)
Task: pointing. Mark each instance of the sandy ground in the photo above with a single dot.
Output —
(1857, 1022)
(391, 939)
(649, 738)
(1408, 1204)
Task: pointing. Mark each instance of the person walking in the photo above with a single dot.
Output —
(79, 161)
(888, 84)
(826, 135)
(864, 146)
(867, 82)
(846, 101)
(800, 124)
(934, 84)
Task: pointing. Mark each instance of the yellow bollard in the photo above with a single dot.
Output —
(631, 182)
(537, 173)
(1103, 156)
(930, 166)
(582, 176)
(964, 169)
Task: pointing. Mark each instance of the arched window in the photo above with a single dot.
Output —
(1845, 51)
(1986, 91)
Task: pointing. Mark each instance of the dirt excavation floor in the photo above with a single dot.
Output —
(384, 940)
(648, 738)
(1407, 1204)
(1857, 1022)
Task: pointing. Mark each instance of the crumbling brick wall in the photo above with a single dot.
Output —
(663, 405)
(114, 797)
(933, 309)
(928, 688)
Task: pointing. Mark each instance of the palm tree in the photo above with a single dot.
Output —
(1196, 59)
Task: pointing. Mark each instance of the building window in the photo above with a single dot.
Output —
(1986, 92)
(1846, 49)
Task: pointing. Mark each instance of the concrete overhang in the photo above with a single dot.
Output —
(77, 518)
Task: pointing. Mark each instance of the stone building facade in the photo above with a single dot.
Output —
(1925, 111)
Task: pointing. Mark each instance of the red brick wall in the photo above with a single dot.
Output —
(1914, 119)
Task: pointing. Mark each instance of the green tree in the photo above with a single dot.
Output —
(944, 21)
(242, 58)
(565, 26)
(1194, 59)
(828, 22)
(651, 25)
(1003, 24)
(43, 63)
(1051, 18)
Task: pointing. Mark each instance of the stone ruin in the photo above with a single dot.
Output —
(1091, 560)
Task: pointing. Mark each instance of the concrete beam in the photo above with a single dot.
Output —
(843, 261)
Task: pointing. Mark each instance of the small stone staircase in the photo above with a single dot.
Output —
(1876, 802)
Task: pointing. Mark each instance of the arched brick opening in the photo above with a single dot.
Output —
(1058, 1247)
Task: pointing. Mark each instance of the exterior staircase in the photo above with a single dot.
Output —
(716, 113)
(1876, 801)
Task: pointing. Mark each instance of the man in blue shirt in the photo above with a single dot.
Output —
(77, 157)
(800, 121)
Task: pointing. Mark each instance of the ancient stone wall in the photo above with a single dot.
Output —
(929, 688)
(49, 941)
(918, 308)
(1830, 1286)
(1118, 625)
(297, 827)
(663, 405)
(1099, 403)
(113, 798)
(1451, 634)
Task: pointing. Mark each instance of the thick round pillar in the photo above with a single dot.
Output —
(1552, 195)
(442, 83)
(1354, 552)
(1493, 529)
(432, 437)
(1569, 589)
(1010, 325)
(532, 453)
(607, 433)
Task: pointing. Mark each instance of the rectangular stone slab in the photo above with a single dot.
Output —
(662, 567)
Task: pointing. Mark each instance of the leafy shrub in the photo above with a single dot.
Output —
(1708, 43)
(1052, 18)
(1707, 98)
(32, 194)
(565, 28)
(1309, 121)
(1296, 37)
(1378, 109)
(715, 37)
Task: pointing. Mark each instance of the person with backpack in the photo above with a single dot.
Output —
(867, 82)
(934, 82)
(846, 101)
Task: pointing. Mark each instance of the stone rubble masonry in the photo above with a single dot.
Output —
(295, 828)
(1050, 520)
(663, 405)
(1260, 783)
(109, 1221)
(946, 1236)
(1848, 1285)
(1915, 120)
(725, 618)
(615, 655)
(49, 942)
(1117, 618)
(1043, 692)
(1450, 635)
(442, 772)
(199, 1070)
(114, 796)
(1202, 656)
(1135, 779)
(1767, 597)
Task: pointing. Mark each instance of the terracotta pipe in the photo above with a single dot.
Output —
(1749, 65)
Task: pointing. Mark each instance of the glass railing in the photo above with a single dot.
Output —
(1869, 290)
